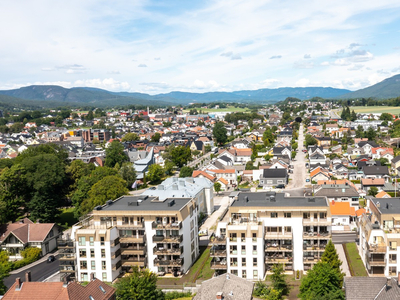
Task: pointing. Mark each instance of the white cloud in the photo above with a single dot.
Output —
(303, 65)
(115, 72)
(275, 57)
(304, 82)
(142, 66)
(307, 56)
(356, 67)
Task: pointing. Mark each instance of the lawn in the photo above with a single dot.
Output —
(66, 218)
(375, 109)
(356, 265)
(228, 109)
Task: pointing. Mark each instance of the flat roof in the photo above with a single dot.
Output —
(387, 205)
(144, 202)
(278, 199)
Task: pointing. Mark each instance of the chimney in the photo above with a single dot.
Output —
(92, 276)
(219, 296)
(18, 282)
(227, 277)
(28, 276)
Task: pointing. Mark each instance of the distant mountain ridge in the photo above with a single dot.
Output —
(101, 97)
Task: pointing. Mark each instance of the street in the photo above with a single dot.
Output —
(340, 238)
(38, 273)
(299, 170)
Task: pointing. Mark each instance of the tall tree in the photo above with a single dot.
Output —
(128, 173)
(139, 285)
(331, 257)
(371, 134)
(217, 187)
(3, 274)
(115, 154)
(321, 281)
(186, 172)
(156, 137)
(220, 133)
(180, 155)
(129, 137)
(155, 173)
(279, 280)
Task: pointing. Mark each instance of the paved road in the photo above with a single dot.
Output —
(342, 257)
(38, 273)
(340, 238)
(299, 165)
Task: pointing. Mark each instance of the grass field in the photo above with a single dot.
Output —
(356, 265)
(375, 109)
(228, 109)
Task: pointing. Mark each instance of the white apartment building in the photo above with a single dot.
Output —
(137, 231)
(380, 237)
(263, 229)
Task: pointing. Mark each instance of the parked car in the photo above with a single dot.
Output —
(51, 258)
(280, 186)
(308, 180)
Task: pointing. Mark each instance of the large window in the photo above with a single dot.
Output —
(82, 241)
(287, 215)
(274, 215)
(83, 265)
(93, 264)
(91, 241)
(82, 253)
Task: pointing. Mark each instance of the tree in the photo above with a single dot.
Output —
(115, 154)
(128, 173)
(108, 188)
(331, 257)
(141, 284)
(383, 161)
(386, 117)
(169, 167)
(180, 155)
(155, 173)
(321, 281)
(373, 190)
(371, 134)
(3, 274)
(129, 137)
(156, 137)
(279, 280)
(186, 172)
(310, 140)
(217, 187)
(220, 133)
(359, 132)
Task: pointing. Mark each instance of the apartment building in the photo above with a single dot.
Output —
(380, 237)
(263, 229)
(143, 231)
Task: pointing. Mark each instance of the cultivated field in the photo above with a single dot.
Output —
(228, 109)
(376, 109)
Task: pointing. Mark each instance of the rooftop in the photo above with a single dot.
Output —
(387, 205)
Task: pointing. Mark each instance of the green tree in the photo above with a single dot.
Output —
(359, 132)
(156, 137)
(186, 172)
(128, 173)
(386, 117)
(180, 155)
(217, 187)
(278, 279)
(331, 257)
(371, 134)
(353, 116)
(168, 167)
(220, 133)
(383, 161)
(155, 173)
(3, 274)
(115, 154)
(373, 190)
(130, 137)
(108, 188)
(321, 281)
(310, 140)
(139, 285)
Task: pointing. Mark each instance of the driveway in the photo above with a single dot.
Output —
(299, 165)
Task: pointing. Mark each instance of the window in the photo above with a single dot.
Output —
(83, 265)
(82, 241)
(91, 253)
(392, 258)
(254, 262)
(393, 245)
(243, 249)
(287, 215)
(82, 252)
(234, 262)
(103, 265)
(288, 229)
(244, 275)
(255, 274)
(104, 276)
(255, 249)
(274, 215)
(306, 215)
(322, 215)
(254, 237)
(91, 241)
(84, 277)
(103, 253)
(102, 241)
(93, 264)
(234, 272)
(243, 262)
(242, 237)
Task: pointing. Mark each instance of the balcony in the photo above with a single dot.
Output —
(130, 262)
(115, 254)
(174, 225)
(165, 251)
(317, 235)
(377, 248)
(218, 253)
(65, 244)
(67, 269)
(168, 239)
(314, 248)
(67, 256)
(376, 261)
(274, 259)
(133, 226)
(276, 246)
(219, 240)
(169, 263)
(132, 250)
(115, 242)
(132, 239)
(322, 222)
(311, 259)
(278, 235)
(218, 265)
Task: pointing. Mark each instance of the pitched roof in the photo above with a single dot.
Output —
(373, 181)
(96, 288)
(198, 173)
(37, 291)
(382, 194)
(374, 170)
(274, 173)
(341, 209)
(371, 288)
(360, 211)
(26, 231)
(223, 180)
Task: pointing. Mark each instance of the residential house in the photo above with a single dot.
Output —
(278, 152)
(343, 215)
(272, 177)
(395, 165)
(229, 175)
(376, 172)
(372, 288)
(382, 152)
(317, 159)
(367, 183)
(197, 146)
(338, 193)
(319, 173)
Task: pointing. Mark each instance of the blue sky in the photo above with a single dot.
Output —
(198, 46)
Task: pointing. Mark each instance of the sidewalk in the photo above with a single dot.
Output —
(342, 257)
(212, 220)
(44, 258)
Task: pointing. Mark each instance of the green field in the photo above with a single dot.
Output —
(376, 109)
(228, 109)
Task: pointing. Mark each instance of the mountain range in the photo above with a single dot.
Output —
(51, 95)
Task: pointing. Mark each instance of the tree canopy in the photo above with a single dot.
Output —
(130, 137)
(180, 155)
(220, 133)
(186, 172)
(115, 154)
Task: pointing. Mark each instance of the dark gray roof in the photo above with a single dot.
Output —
(337, 190)
(375, 170)
(371, 143)
(278, 199)
(396, 159)
(231, 286)
(387, 205)
(225, 158)
(371, 288)
(144, 202)
(274, 173)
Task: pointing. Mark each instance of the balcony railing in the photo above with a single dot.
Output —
(168, 239)
(218, 253)
(133, 250)
(67, 269)
(376, 261)
(133, 262)
(132, 239)
(219, 241)
(315, 221)
(278, 235)
(166, 251)
(65, 244)
(175, 225)
(218, 266)
(67, 256)
(275, 247)
(278, 259)
(131, 226)
(171, 262)
(317, 235)
(377, 248)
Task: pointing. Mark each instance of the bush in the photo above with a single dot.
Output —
(176, 295)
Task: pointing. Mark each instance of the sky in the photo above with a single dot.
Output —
(198, 46)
